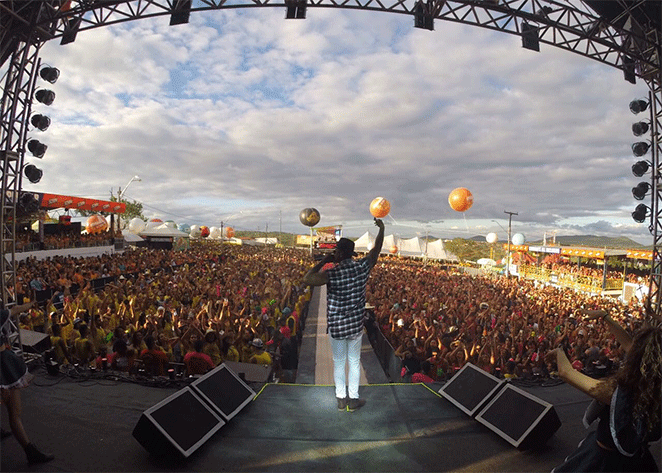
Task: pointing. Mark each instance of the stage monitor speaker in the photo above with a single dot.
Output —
(250, 372)
(471, 388)
(519, 417)
(180, 423)
(35, 342)
(225, 392)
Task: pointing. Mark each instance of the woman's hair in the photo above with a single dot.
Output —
(641, 374)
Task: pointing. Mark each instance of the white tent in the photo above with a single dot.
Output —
(411, 247)
(406, 247)
(436, 250)
(163, 230)
(364, 243)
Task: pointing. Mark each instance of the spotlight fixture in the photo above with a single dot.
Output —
(40, 122)
(49, 74)
(33, 173)
(640, 128)
(530, 39)
(638, 106)
(640, 168)
(640, 213)
(37, 148)
(70, 30)
(641, 190)
(181, 11)
(640, 148)
(45, 96)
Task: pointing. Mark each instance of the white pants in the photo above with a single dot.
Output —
(347, 351)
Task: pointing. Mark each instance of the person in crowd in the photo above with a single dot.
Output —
(628, 406)
(346, 300)
(82, 350)
(14, 375)
(154, 359)
(260, 356)
(196, 361)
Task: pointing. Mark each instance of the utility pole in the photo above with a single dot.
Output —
(510, 219)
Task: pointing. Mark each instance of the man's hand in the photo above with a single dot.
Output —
(379, 223)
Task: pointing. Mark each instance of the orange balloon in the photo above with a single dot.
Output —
(229, 232)
(204, 231)
(393, 250)
(96, 224)
(460, 199)
(380, 207)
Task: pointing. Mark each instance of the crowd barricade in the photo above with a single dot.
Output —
(391, 363)
(578, 282)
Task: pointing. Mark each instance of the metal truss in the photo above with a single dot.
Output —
(630, 42)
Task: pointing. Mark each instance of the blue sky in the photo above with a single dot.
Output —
(243, 114)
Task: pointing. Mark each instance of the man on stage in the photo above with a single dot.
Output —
(345, 299)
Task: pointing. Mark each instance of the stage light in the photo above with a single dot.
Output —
(640, 213)
(49, 74)
(45, 96)
(33, 173)
(181, 11)
(629, 73)
(640, 168)
(530, 38)
(40, 122)
(638, 106)
(295, 10)
(640, 128)
(641, 190)
(422, 17)
(70, 30)
(640, 148)
(37, 148)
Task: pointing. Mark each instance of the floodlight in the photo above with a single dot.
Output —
(40, 122)
(640, 128)
(45, 96)
(640, 213)
(638, 106)
(641, 190)
(37, 148)
(640, 168)
(640, 148)
(49, 74)
(33, 173)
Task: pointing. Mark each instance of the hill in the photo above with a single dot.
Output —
(591, 241)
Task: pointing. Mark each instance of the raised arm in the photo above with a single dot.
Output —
(619, 332)
(379, 241)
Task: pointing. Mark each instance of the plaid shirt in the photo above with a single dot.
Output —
(345, 297)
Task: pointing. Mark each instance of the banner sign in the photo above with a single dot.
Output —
(55, 201)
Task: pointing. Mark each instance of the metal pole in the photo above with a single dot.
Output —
(510, 219)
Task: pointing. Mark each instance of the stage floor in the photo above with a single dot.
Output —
(290, 428)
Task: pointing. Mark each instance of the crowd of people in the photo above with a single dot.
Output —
(437, 320)
(31, 241)
(157, 308)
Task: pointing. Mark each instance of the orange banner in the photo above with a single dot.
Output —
(55, 201)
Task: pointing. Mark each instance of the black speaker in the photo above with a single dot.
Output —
(179, 424)
(250, 372)
(35, 342)
(224, 391)
(520, 418)
(471, 388)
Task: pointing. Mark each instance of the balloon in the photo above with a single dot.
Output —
(195, 231)
(96, 224)
(229, 232)
(204, 231)
(156, 220)
(184, 227)
(460, 199)
(137, 225)
(380, 207)
(491, 238)
(309, 217)
(518, 239)
(214, 232)
(393, 250)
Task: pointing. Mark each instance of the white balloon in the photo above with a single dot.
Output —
(214, 232)
(518, 239)
(491, 238)
(195, 231)
(137, 225)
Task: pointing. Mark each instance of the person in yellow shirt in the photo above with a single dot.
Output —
(59, 347)
(230, 352)
(212, 347)
(260, 356)
(83, 350)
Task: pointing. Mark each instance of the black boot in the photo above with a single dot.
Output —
(35, 456)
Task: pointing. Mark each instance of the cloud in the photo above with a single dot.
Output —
(245, 108)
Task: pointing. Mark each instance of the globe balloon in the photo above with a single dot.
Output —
(518, 239)
(96, 224)
(380, 207)
(309, 217)
(195, 231)
(214, 232)
(460, 199)
(491, 238)
(393, 250)
(229, 232)
(204, 231)
(184, 227)
(136, 225)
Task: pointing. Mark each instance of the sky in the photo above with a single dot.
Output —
(245, 118)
